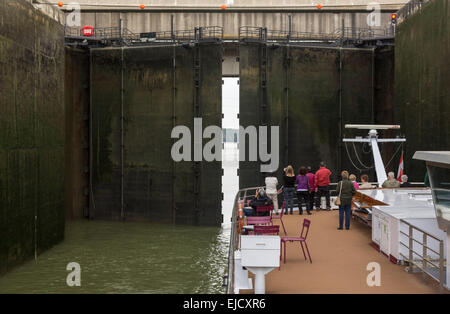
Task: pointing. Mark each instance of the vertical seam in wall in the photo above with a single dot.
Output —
(173, 126)
(122, 138)
(91, 212)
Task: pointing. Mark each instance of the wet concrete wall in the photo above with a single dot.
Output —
(32, 124)
(422, 106)
(142, 86)
(77, 96)
(311, 94)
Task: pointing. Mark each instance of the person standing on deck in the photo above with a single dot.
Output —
(289, 188)
(312, 187)
(322, 182)
(345, 189)
(271, 190)
(303, 191)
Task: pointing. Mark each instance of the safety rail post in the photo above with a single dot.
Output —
(424, 254)
(441, 266)
(411, 263)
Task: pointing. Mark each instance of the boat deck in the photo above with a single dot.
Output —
(339, 261)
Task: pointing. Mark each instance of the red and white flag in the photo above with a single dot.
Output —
(400, 169)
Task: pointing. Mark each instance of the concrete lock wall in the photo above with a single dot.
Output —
(311, 94)
(32, 124)
(310, 21)
(154, 92)
(422, 74)
(306, 16)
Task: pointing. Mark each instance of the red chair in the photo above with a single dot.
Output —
(263, 220)
(301, 239)
(280, 216)
(264, 209)
(266, 230)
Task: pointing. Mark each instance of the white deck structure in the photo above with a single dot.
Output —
(406, 206)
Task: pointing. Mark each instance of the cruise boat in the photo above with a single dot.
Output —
(401, 234)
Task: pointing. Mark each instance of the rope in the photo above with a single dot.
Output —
(361, 170)
(357, 157)
(401, 145)
(348, 155)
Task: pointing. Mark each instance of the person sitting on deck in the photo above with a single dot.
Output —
(345, 189)
(260, 199)
(405, 183)
(365, 182)
(352, 179)
(391, 182)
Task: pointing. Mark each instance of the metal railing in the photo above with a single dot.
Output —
(107, 33)
(260, 34)
(424, 263)
(241, 195)
(365, 33)
(247, 33)
(410, 8)
(211, 33)
(124, 35)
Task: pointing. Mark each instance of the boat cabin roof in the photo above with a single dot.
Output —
(442, 157)
(404, 203)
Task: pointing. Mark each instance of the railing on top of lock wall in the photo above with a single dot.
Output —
(261, 34)
(123, 36)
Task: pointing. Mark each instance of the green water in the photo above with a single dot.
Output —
(129, 257)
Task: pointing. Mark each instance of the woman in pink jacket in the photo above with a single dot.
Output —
(352, 178)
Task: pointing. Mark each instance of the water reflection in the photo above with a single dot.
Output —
(131, 257)
(127, 257)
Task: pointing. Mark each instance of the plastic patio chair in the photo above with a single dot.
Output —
(266, 229)
(262, 220)
(280, 216)
(301, 239)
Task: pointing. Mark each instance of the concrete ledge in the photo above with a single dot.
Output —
(50, 9)
(136, 8)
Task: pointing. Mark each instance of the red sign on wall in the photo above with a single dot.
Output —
(88, 31)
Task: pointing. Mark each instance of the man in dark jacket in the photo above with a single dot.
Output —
(260, 199)
(345, 190)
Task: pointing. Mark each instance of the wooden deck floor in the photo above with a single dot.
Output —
(340, 258)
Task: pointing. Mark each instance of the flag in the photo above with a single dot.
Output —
(400, 169)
